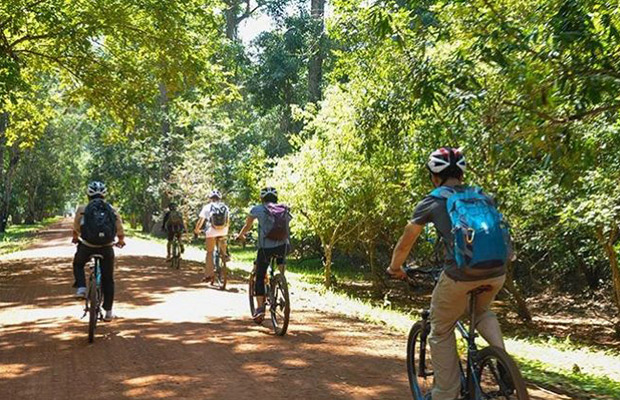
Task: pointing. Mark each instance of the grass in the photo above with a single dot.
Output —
(17, 237)
(561, 365)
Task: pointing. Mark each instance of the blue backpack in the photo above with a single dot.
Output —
(481, 236)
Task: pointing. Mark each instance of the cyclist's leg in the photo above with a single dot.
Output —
(486, 320)
(180, 237)
(223, 243)
(448, 304)
(210, 246)
(82, 255)
(263, 257)
(280, 254)
(107, 277)
(223, 248)
(170, 233)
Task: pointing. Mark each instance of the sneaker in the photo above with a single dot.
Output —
(108, 316)
(81, 293)
(259, 315)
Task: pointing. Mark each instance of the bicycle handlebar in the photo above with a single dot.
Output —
(412, 271)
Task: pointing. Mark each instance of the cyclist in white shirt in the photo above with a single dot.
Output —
(214, 216)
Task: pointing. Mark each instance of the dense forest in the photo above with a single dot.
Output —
(338, 106)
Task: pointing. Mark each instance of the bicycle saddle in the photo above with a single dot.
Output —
(99, 256)
(481, 289)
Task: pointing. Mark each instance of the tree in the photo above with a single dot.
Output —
(317, 51)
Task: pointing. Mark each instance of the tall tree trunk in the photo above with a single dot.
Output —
(519, 302)
(377, 282)
(608, 244)
(147, 221)
(315, 67)
(166, 167)
(286, 117)
(7, 185)
(232, 22)
(327, 264)
(4, 120)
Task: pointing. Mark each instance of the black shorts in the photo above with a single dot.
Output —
(173, 233)
(264, 255)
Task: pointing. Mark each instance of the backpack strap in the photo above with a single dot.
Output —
(443, 192)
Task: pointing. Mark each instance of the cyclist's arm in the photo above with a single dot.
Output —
(248, 225)
(120, 231)
(404, 245)
(76, 223)
(199, 224)
(163, 224)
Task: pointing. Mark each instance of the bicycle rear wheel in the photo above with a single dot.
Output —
(499, 376)
(252, 293)
(176, 255)
(93, 307)
(419, 366)
(223, 274)
(280, 306)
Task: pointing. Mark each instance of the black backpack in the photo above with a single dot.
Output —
(99, 223)
(219, 214)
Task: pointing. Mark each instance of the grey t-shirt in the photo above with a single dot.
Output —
(265, 223)
(433, 210)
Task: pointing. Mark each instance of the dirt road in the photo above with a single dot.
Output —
(176, 338)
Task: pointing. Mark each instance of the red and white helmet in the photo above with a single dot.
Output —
(444, 158)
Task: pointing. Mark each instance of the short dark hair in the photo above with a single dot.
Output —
(451, 172)
(96, 196)
(270, 198)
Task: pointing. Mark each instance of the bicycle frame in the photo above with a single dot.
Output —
(469, 380)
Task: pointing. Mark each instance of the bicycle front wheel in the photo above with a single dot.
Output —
(280, 306)
(92, 310)
(499, 376)
(419, 367)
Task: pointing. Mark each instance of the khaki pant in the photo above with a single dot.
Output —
(449, 303)
(210, 245)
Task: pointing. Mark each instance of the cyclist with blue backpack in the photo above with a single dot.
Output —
(215, 218)
(477, 247)
(95, 227)
(273, 240)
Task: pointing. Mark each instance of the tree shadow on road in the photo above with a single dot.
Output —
(223, 359)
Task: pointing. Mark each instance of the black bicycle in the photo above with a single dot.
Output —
(276, 299)
(489, 373)
(175, 261)
(219, 266)
(94, 297)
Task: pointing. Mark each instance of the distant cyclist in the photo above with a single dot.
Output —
(476, 250)
(94, 229)
(215, 218)
(173, 225)
(273, 240)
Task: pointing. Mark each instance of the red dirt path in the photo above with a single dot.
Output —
(176, 338)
